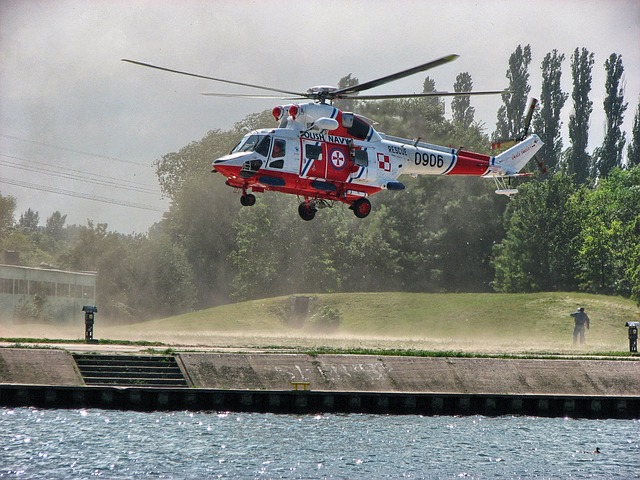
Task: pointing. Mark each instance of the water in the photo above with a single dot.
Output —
(73, 444)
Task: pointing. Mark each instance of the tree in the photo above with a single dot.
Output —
(7, 209)
(96, 249)
(511, 114)
(461, 110)
(34, 247)
(200, 220)
(347, 105)
(633, 151)
(278, 254)
(408, 230)
(634, 270)
(461, 246)
(172, 279)
(203, 208)
(29, 221)
(85, 254)
(578, 160)
(610, 236)
(274, 251)
(433, 107)
(610, 154)
(29, 245)
(540, 247)
(547, 122)
(54, 226)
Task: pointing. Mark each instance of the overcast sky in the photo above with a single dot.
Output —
(76, 123)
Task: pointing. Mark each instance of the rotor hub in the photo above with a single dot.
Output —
(321, 92)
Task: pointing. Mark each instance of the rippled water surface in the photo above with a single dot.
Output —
(69, 444)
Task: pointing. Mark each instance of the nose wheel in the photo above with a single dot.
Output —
(247, 199)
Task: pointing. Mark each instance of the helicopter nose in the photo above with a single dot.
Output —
(228, 165)
(218, 163)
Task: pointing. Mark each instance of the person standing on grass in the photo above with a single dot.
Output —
(581, 321)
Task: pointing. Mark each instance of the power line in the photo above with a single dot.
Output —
(84, 177)
(35, 142)
(85, 196)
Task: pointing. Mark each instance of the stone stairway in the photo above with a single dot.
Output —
(130, 370)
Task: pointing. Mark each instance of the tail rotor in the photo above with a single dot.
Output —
(509, 142)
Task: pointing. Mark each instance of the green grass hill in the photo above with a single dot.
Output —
(466, 322)
(492, 323)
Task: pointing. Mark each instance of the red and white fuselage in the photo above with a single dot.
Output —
(324, 154)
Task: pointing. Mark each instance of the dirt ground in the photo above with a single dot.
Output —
(297, 341)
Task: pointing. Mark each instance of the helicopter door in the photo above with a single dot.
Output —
(338, 162)
(278, 153)
(314, 163)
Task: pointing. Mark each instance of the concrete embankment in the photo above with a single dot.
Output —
(414, 374)
(340, 383)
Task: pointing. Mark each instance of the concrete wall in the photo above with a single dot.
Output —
(350, 373)
(360, 373)
(38, 367)
(340, 383)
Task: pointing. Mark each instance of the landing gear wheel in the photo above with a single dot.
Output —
(307, 211)
(248, 199)
(361, 207)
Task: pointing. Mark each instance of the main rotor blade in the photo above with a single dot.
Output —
(421, 95)
(256, 96)
(270, 89)
(358, 97)
(396, 76)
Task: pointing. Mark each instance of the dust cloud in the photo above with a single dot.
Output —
(297, 340)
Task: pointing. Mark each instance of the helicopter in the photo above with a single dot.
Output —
(326, 155)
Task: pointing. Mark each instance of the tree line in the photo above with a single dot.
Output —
(574, 228)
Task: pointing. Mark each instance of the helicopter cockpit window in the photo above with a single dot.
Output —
(257, 143)
(262, 147)
(247, 144)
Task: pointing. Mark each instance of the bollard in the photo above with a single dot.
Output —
(89, 315)
(633, 335)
